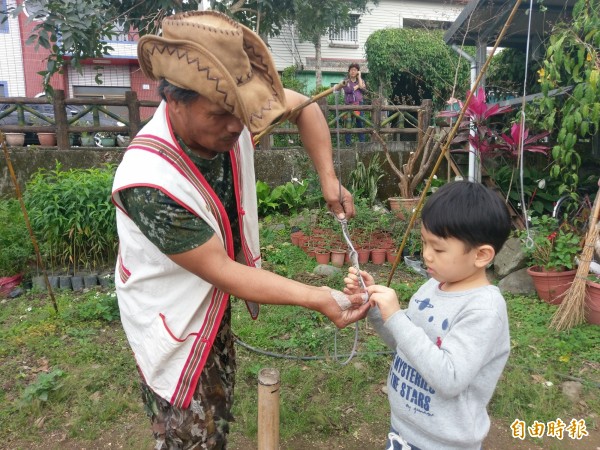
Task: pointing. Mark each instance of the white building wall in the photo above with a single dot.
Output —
(287, 50)
(11, 58)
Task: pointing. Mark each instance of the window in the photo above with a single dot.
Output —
(3, 89)
(348, 35)
(424, 24)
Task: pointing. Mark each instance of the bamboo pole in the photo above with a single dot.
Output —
(27, 223)
(268, 409)
(296, 109)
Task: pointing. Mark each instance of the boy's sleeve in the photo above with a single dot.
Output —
(376, 320)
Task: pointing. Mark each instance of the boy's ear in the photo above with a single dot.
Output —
(485, 255)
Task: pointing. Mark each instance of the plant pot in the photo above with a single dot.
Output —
(322, 256)
(106, 142)
(15, 139)
(88, 141)
(123, 141)
(363, 255)
(47, 139)
(551, 286)
(295, 237)
(391, 255)
(338, 257)
(592, 302)
(403, 207)
(378, 255)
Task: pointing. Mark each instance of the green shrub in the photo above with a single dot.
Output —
(72, 214)
(16, 250)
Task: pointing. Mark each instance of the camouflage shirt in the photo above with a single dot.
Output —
(171, 227)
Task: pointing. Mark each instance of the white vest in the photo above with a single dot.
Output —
(171, 316)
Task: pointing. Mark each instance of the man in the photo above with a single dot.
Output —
(186, 206)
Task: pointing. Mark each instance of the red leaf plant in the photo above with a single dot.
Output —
(476, 118)
(485, 139)
(509, 144)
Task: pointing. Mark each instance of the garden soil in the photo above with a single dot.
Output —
(135, 433)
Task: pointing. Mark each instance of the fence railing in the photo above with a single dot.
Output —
(83, 115)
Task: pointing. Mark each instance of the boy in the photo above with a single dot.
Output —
(452, 342)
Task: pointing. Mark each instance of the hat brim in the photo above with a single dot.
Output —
(257, 101)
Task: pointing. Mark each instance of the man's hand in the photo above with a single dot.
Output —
(331, 193)
(355, 305)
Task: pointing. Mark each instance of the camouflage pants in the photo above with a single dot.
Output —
(205, 424)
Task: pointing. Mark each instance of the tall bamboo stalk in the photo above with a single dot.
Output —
(26, 217)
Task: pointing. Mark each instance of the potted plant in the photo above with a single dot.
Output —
(592, 299)
(15, 139)
(412, 173)
(105, 139)
(551, 250)
(86, 137)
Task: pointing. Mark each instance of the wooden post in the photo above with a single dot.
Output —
(268, 409)
(60, 120)
(376, 114)
(133, 107)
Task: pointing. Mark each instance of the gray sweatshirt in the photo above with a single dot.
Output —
(451, 348)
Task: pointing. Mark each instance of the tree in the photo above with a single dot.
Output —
(74, 30)
(314, 18)
(413, 63)
(572, 60)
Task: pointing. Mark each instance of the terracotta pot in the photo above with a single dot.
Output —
(592, 302)
(338, 257)
(551, 286)
(391, 255)
(403, 207)
(15, 139)
(363, 255)
(378, 255)
(47, 139)
(322, 255)
(295, 236)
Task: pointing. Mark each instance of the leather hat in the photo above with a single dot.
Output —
(222, 60)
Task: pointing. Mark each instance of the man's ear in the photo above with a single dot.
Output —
(485, 255)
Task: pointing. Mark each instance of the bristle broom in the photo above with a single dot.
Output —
(571, 311)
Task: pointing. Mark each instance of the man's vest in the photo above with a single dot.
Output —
(170, 315)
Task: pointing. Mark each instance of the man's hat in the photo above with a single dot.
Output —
(222, 60)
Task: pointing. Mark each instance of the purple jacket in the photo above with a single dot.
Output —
(351, 96)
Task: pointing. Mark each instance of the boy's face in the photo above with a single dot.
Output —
(448, 262)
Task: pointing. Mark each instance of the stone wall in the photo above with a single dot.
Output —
(275, 166)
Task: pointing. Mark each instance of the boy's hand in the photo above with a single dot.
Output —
(385, 298)
(351, 281)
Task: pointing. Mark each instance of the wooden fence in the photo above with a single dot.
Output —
(403, 122)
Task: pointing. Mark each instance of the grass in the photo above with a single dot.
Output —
(73, 373)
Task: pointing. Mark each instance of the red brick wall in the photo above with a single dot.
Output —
(138, 79)
(34, 61)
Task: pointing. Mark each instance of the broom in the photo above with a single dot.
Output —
(571, 311)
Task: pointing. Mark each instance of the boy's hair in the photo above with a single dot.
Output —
(469, 212)
(356, 66)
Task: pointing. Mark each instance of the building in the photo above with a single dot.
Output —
(120, 71)
(21, 63)
(340, 49)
